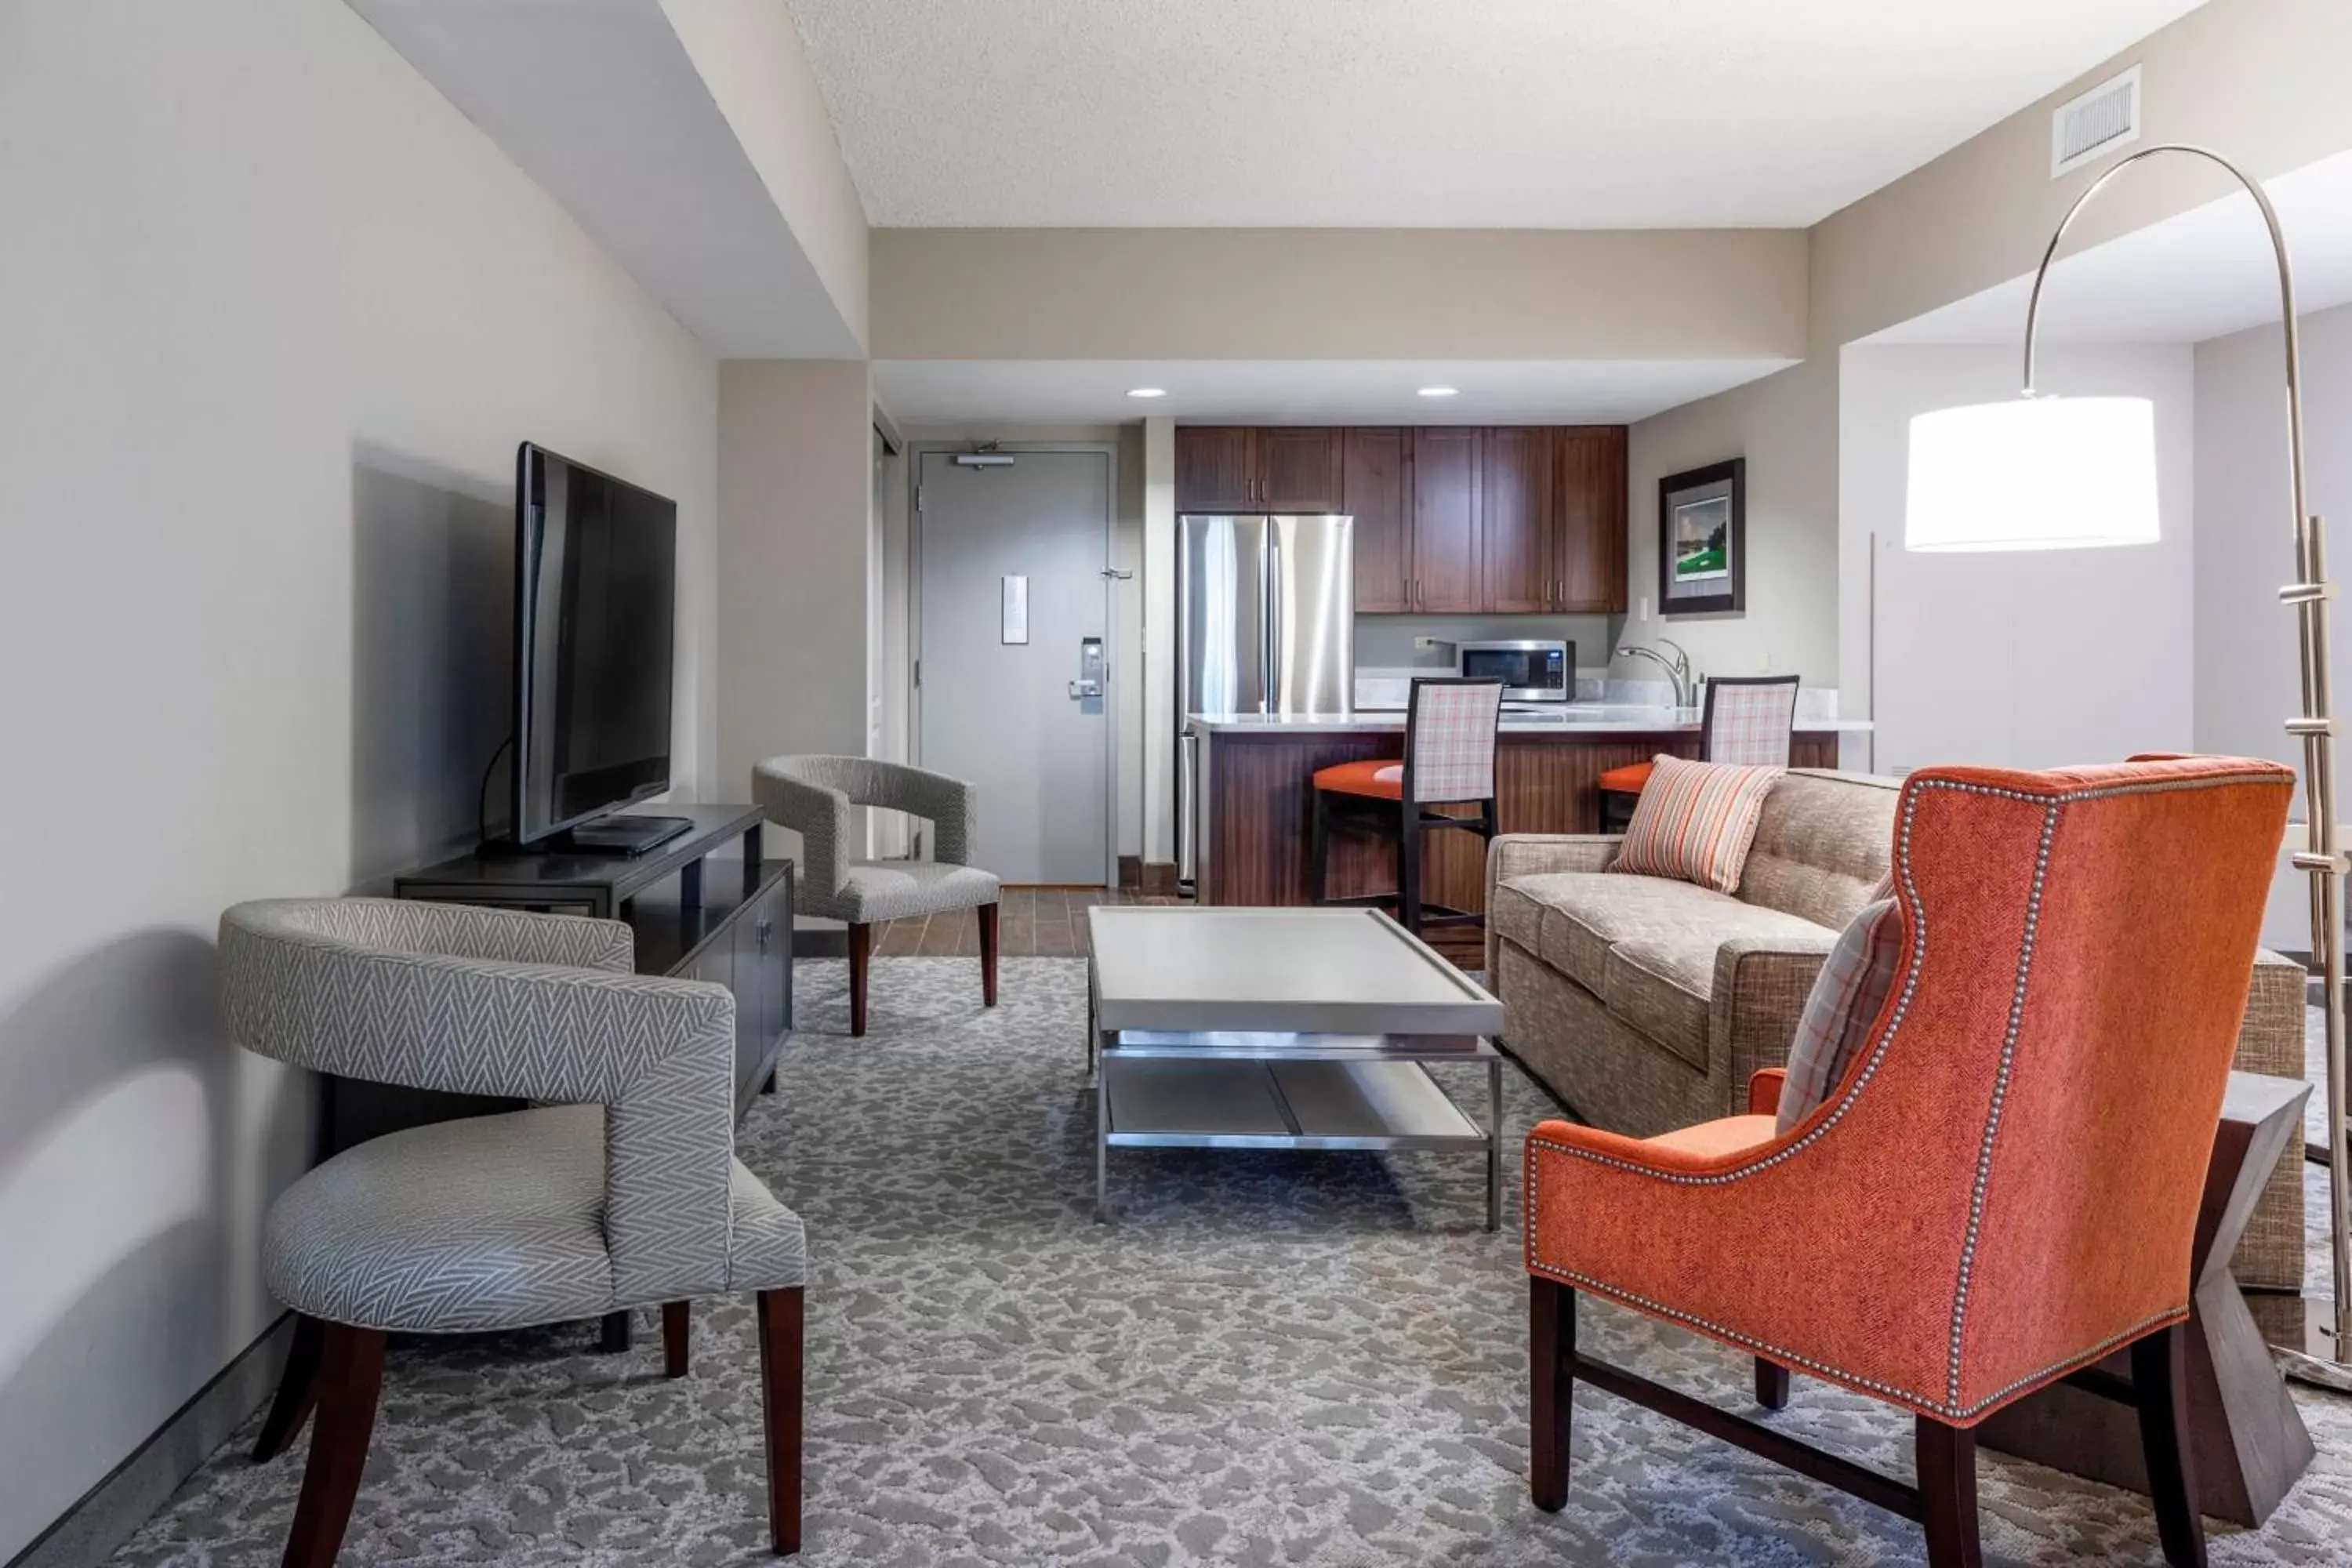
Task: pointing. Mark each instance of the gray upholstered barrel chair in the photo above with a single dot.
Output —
(619, 1188)
(813, 797)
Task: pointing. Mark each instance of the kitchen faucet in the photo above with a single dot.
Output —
(1678, 668)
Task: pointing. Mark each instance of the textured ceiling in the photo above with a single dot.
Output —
(1426, 113)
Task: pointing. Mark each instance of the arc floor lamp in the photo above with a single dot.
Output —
(2054, 473)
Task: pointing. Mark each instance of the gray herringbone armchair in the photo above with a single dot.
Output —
(620, 1188)
(813, 796)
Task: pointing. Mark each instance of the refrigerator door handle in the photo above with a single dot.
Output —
(1275, 588)
(1188, 794)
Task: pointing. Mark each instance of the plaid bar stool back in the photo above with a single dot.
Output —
(1747, 723)
(1449, 761)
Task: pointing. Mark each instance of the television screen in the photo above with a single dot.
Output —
(595, 577)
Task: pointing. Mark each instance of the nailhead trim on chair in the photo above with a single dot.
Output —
(1950, 1407)
(2000, 1082)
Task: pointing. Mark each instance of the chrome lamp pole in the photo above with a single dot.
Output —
(2322, 1358)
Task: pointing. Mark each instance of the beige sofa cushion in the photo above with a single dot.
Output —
(1515, 913)
(1644, 945)
(1580, 915)
(1823, 845)
(1665, 985)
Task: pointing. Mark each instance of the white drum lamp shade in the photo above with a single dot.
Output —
(2033, 473)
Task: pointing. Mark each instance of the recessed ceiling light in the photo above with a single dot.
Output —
(1439, 391)
(1147, 392)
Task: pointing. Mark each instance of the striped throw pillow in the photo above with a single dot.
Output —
(1694, 821)
(1843, 1003)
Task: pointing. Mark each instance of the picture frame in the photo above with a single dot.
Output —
(1703, 541)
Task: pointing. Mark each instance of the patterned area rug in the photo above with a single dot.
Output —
(1296, 1358)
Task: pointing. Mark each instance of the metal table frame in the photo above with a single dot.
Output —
(1383, 1070)
(1243, 1088)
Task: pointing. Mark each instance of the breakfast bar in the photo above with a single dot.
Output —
(1254, 800)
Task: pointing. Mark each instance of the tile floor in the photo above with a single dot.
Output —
(1033, 922)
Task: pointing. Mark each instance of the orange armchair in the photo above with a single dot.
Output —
(1946, 1231)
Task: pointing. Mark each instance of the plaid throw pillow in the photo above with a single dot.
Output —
(1845, 1002)
(1695, 822)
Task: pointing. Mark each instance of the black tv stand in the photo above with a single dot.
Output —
(621, 833)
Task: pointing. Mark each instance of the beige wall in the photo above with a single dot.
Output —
(795, 501)
(1159, 664)
(752, 58)
(2262, 81)
(1272, 294)
(1786, 427)
(276, 316)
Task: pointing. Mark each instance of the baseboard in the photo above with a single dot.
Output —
(1130, 873)
(1160, 878)
(91, 1530)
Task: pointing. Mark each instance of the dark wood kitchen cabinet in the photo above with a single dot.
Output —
(1371, 490)
(1281, 468)
(1444, 487)
(1512, 519)
(1297, 469)
(1212, 469)
(1589, 520)
(1516, 520)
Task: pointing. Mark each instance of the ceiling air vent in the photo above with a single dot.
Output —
(2094, 124)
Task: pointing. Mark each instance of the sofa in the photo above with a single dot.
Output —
(1645, 1005)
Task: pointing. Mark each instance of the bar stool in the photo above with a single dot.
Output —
(1746, 723)
(1449, 760)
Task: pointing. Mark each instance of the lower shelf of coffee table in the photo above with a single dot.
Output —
(1160, 1103)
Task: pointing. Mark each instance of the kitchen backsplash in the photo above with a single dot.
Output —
(1386, 642)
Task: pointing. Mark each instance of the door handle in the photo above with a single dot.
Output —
(1092, 671)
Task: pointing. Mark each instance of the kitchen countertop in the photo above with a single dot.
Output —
(1572, 718)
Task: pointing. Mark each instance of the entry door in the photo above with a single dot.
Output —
(1016, 608)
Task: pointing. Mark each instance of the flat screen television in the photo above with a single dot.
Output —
(595, 608)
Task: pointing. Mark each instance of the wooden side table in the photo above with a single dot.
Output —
(2248, 1439)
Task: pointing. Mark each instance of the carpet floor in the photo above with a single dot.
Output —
(1267, 1359)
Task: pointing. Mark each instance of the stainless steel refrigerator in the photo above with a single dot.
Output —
(1266, 623)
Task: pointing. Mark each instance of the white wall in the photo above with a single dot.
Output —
(276, 317)
(2031, 659)
(1786, 427)
(2247, 683)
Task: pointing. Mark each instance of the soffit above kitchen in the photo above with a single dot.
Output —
(1303, 392)
(1426, 114)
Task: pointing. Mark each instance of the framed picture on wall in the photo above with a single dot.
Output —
(1703, 540)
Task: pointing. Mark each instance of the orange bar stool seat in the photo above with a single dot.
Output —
(1376, 779)
(1627, 780)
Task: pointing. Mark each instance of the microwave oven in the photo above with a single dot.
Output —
(1530, 671)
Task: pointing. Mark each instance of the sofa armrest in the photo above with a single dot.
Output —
(2269, 1040)
(1760, 986)
(1534, 854)
(1764, 1090)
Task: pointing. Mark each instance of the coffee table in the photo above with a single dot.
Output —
(1281, 1028)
